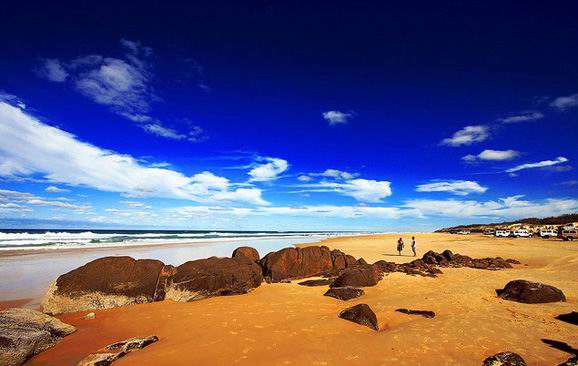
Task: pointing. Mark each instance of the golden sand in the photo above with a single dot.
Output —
(288, 324)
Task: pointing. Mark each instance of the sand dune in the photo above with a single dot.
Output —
(288, 324)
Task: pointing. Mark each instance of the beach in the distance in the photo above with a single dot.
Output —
(289, 324)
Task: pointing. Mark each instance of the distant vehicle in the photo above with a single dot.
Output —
(463, 232)
(521, 233)
(548, 233)
(568, 233)
(503, 233)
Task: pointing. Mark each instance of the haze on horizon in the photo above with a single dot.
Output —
(287, 116)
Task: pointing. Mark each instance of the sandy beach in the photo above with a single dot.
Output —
(289, 324)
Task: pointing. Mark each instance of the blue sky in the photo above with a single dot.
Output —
(287, 116)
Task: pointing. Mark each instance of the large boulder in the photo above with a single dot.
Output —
(25, 332)
(294, 263)
(246, 252)
(112, 352)
(104, 283)
(361, 314)
(505, 359)
(199, 279)
(530, 292)
(360, 276)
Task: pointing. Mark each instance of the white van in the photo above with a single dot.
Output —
(548, 233)
(521, 233)
(503, 233)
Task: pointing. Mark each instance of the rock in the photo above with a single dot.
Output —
(360, 314)
(362, 261)
(294, 263)
(572, 361)
(246, 252)
(425, 313)
(213, 276)
(571, 318)
(513, 261)
(104, 283)
(89, 316)
(113, 352)
(342, 260)
(344, 293)
(448, 255)
(530, 292)
(165, 276)
(321, 282)
(505, 359)
(360, 276)
(25, 332)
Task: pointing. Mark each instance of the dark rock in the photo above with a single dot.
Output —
(513, 261)
(213, 276)
(321, 282)
(344, 293)
(26, 332)
(571, 318)
(530, 292)
(113, 352)
(104, 283)
(505, 359)
(360, 276)
(163, 282)
(448, 255)
(360, 314)
(362, 261)
(425, 313)
(294, 263)
(246, 252)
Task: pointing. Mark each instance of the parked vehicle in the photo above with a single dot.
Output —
(503, 233)
(521, 233)
(568, 233)
(463, 232)
(548, 233)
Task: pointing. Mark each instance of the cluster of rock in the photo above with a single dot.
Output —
(505, 359)
(26, 332)
(112, 352)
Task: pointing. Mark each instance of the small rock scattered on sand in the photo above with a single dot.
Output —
(113, 352)
(505, 359)
(89, 316)
(344, 293)
(361, 314)
(425, 313)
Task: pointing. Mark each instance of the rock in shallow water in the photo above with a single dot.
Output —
(530, 292)
(505, 359)
(344, 293)
(25, 332)
(360, 314)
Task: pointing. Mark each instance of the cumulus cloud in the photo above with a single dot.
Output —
(122, 84)
(468, 135)
(564, 103)
(61, 158)
(54, 189)
(363, 190)
(335, 174)
(540, 164)
(524, 116)
(457, 187)
(493, 155)
(337, 117)
(269, 170)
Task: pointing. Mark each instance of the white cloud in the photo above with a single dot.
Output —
(505, 208)
(337, 117)
(16, 198)
(134, 204)
(268, 171)
(336, 174)
(54, 189)
(304, 178)
(564, 103)
(524, 116)
(28, 146)
(540, 164)
(457, 187)
(122, 84)
(493, 155)
(363, 190)
(468, 135)
(53, 70)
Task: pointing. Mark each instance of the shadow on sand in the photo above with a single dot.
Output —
(397, 255)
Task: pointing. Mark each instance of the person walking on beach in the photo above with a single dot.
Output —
(400, 246)
(413, 245)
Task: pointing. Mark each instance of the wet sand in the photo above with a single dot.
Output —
(288, 324)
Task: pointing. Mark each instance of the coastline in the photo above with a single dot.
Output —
(267, 325)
